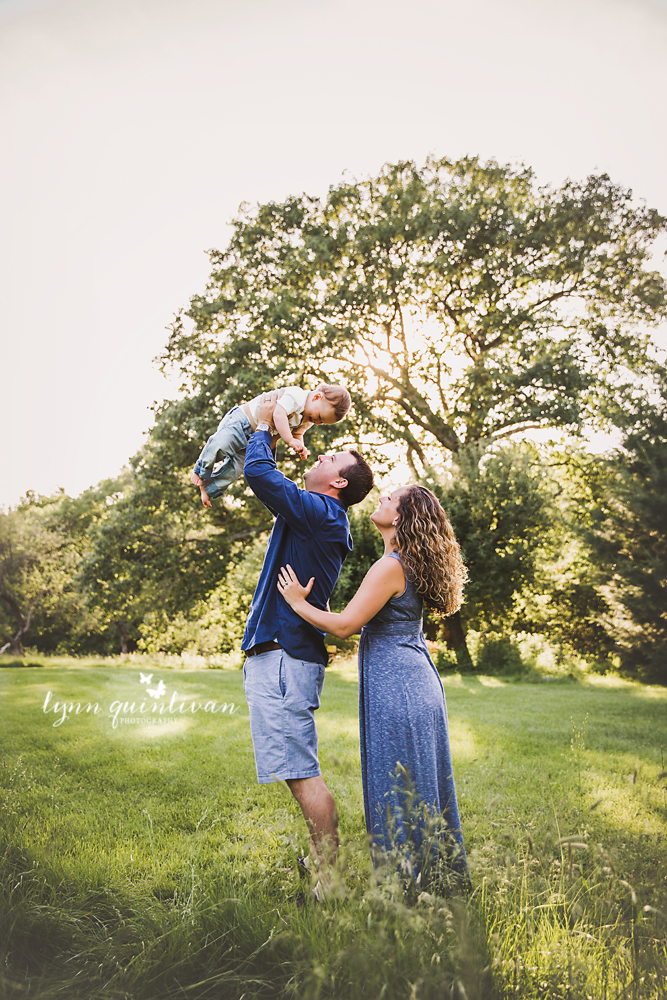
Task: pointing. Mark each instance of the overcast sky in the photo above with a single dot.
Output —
(132, 130)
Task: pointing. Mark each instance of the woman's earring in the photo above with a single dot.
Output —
(395, 521)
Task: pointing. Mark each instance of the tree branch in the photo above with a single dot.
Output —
(515, 430)
(446, 435)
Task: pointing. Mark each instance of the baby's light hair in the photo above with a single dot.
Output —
(337, 396)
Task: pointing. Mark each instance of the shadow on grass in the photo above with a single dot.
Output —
(538, 924)
(6, 662)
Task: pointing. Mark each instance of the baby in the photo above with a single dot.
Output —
(221, 461)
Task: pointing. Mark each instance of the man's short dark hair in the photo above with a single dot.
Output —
(359, 480)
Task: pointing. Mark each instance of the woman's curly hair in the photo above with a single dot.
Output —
(429, 551)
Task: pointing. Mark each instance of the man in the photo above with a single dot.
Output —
(286, 657)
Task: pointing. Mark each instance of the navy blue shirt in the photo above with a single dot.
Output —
(311, 533)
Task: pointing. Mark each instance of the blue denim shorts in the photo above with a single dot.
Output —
(282, 695)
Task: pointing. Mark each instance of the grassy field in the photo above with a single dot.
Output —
(141, 859)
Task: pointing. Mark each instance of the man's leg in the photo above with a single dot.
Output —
(283, 693)
(321, 816)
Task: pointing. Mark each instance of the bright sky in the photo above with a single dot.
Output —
(132, 130)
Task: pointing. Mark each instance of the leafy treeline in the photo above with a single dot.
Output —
(463, 306)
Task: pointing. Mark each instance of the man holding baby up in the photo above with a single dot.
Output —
(286, 657)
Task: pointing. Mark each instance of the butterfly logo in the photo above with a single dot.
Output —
(144, 678)
(157, 692)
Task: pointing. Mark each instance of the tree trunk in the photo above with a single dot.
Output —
(23, 622)
(15, 643)
(457, 641)
(123, 639)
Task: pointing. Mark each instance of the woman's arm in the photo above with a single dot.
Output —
(384, 579)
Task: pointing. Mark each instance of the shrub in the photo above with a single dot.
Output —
(445, 659)
(499, 656)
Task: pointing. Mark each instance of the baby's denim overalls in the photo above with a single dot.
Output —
(221, 461)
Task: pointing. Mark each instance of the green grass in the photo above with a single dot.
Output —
(144, 861)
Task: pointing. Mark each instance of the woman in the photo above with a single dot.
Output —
(405, 755)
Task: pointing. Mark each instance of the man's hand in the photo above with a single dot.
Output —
(266, 407)
(195, 480)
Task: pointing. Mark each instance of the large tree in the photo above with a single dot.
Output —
(460, 302)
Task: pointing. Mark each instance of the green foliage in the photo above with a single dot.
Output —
(461, 304)
(499, 656)
(567, 606)
(500, 504)
(126, 565)
(445, 659)
(565, 601)
(629, 539)
(458, 301)
(212, 626)
(368, 548)
(152, 552)
(40, 545)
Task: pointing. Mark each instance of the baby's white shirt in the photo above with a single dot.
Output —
(292, 400)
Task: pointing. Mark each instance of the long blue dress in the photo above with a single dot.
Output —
(405, 741)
